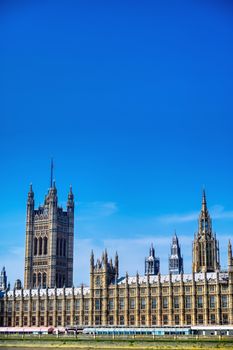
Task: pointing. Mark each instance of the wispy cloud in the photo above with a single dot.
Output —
(217, 212)
(94, 210)
(178, 218)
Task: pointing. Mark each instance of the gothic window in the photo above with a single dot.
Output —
(153, 320)
(97, 281)
(122, 320)
(97, 304)
(33, 305)
(45, 245)
(212, 301)
(111, 304)
(143, 303)
(132, 303)
(132, 320)
(59, 305)
(77, 304)
(177, 320)
(200, 319)
(64, 247)
(153, 303)
(35, 246)
(57, 249)
(165, 319)
(225, 319)
(188, 319)
(165, 302)
(40, 246)
(34, 280)
(199, 302)
(176, 302)
(111, 320)
(25, 306)
(44, 280)
(39, 279)
(188, 302)
(143, 320)
(224, 301)
(86, 305)
(121, 303)
(212, 319)
(61, 244)
(68, 305)
(97, 320)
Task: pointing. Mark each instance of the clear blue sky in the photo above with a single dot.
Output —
(134, 101)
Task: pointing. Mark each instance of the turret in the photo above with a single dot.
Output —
(152, 263)
(92, 261)
(205, 244)
(52, 196)
(230, 257)
(70, 200)
(116, 265)
(103, 269)
(30, 200)
(3, 279)
(175, 262)
(29, 238)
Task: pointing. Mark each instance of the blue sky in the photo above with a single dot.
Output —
(134, 102)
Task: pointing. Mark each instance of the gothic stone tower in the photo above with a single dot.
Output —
(175, 259)
(102, 274)
(49, 242)
(205, 245)
(152, 263)
(3, 279)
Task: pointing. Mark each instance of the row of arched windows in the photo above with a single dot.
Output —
(39, 280)
(61, 247)
(40, 246)
(60, 280)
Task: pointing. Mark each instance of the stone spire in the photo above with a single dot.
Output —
(175, 259)
(3, 279)
(70, 200)
(205, 244)
(230, 258)
(152, 263)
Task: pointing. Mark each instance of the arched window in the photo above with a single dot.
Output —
(44, 279)
(40, 246)
(61, 244)
(57, 247)
(64, 247)
(59, 284)
(45, 245)
(39, 280)
(35, 246)
(34, 280)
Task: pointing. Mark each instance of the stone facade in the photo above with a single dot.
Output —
(49, 242)
(163, 300)
(204, 297)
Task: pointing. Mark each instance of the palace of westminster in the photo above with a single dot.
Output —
(48, 298)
